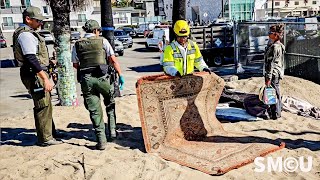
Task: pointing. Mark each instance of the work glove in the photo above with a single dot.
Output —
(177, 74)
(207, 70)
(121, 82)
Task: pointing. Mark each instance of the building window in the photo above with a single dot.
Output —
(314, 2)
(45, 10)
(82, 18)
(5, 4)
(277, 4)
(7, 21)
(296, 3)
(120, 20)
(25, 3)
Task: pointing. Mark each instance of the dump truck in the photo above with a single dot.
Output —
(216, 43)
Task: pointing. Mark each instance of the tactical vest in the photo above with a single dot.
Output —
(42, 50)
(90, 52)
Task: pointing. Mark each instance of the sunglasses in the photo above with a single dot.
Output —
(271, 32)
(38, 21)
(183, 31)
(183, 37)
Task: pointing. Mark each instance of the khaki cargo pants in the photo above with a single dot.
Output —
(42, 107)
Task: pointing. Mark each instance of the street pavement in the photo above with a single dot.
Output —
(136, 62)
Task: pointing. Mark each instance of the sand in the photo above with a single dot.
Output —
(126, 157)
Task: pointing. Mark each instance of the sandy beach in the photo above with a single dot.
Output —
(126, 157)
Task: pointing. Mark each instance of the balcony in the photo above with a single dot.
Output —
(76, 23)
(6, 26)
(12, 10)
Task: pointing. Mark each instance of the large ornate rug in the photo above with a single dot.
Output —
(179, 123)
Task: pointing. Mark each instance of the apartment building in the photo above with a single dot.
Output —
(239, 10)
(299, 8)
(11, 13)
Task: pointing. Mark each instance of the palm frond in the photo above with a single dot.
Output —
(77, 5)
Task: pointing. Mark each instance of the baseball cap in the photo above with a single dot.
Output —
(91, 25)
(34, 12)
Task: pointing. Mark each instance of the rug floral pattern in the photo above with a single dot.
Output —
(179, 123)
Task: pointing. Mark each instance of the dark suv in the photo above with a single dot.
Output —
(129, 31)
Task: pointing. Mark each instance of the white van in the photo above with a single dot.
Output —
(155, 36)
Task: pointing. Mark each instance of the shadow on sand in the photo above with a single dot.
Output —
(127, 136)
(22, 96)
(148, 68)
(8, 63)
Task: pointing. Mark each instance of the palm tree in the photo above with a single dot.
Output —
(107, 20)
(179, 6)
(108, 33)
(61, 28)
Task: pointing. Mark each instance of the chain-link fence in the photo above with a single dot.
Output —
(302, 41)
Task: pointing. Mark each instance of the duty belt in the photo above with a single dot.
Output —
(27, 68)
(94, 72)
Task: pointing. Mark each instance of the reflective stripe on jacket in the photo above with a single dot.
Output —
(174, 60)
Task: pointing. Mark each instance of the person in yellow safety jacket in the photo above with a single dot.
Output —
(182, 55)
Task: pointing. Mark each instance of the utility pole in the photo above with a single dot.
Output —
(222, 9)
(107, 21)
(272, 8)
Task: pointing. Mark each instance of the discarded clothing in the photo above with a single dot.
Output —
(300, 107)
(234, 98)
(257, 108)
(232, 114)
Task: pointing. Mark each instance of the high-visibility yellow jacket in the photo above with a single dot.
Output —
(176, 58)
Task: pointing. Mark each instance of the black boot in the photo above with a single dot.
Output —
(101, 145)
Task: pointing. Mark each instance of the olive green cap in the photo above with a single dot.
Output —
(91, 25)
(34, 12)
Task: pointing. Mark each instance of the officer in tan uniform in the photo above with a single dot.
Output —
(30, 51)
(90, 55)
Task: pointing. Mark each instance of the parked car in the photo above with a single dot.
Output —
(144, 29)
(118, 46)
(74, 35)
(156, 36)
(124, 38)
(3, 42)
(48, 37)
(131, 32)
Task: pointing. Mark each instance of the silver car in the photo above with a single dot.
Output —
(48, 37)
(118, 47)
(75, 35)
(124, 38)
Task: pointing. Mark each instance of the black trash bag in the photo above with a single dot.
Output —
(257, 108)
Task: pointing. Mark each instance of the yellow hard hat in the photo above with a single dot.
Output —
(181, 28)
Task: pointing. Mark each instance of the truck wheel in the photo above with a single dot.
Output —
(217, 61)
(121, 53)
